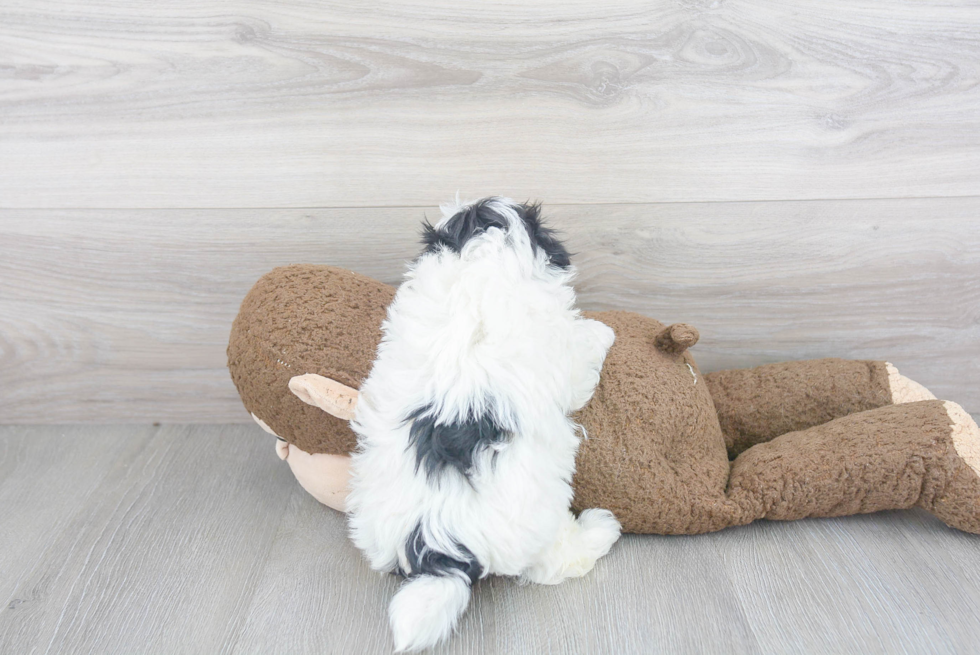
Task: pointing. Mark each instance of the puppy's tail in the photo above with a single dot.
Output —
(426, 608)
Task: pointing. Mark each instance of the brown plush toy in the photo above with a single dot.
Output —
(669, 450)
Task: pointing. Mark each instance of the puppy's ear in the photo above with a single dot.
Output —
(329, 395)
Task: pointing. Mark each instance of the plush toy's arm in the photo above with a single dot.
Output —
(758, 404)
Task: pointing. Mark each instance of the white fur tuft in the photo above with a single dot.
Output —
(425, 610)
(577, 547)
(449, 209)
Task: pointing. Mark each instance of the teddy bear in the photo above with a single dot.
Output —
(667, 449)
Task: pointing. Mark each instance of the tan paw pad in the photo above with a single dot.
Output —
(905, 390)
(966, 435)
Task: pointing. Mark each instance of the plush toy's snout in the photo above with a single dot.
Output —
(324, 476)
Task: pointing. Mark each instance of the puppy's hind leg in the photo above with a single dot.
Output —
(577, 546)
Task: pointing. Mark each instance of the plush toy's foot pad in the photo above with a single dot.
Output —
(966, 435)
(923, 453)
(905, 390)
(957, 502)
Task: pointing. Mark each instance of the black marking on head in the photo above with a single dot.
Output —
(463, 226)
(479, 217)
(543, 237)
(453, 445)
(423, 560)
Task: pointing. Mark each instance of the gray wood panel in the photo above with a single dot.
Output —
(299, 104)
(196, 539)
(818, 582)
(47, 481)
(161, 556)
(124, 314)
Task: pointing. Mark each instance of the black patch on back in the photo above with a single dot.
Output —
(480, 217)
(422, 560)
(452, 445)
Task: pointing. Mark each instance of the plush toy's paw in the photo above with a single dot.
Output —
(905, 390)
(580, 543)
(957, 502)
(966, 435)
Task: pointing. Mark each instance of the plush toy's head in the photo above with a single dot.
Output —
(305, 319)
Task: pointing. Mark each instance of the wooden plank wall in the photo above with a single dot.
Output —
(798, 180)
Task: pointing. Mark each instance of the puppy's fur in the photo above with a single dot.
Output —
(466, 449)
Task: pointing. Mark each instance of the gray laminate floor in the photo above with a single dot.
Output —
(196, 539)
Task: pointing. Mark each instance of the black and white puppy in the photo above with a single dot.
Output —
(466, 449)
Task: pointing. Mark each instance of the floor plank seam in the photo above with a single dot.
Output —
(628, 203)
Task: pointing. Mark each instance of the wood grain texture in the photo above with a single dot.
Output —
(124, 315)
(300, 104)
(769, 282)
(196, 539)
(47, 481)
(817, 582)
(158, 557)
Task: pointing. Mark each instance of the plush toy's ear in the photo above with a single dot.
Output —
(676, 338)
(329, 395)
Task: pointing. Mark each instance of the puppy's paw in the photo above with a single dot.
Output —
(597, 531)
(579, 545)
(600, 530)
(600, 335)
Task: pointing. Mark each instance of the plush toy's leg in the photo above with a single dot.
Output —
(579, 543)
(924, 453)
(758, 404)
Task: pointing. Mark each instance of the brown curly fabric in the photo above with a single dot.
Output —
(893, 457)
(817, 438)
(758, 404)
(306, 319)
(655, 454)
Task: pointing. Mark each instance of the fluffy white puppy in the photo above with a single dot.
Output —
(466, 449)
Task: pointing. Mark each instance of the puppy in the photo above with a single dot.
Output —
(466, 449)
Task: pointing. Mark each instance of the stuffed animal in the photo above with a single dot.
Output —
(667, 449)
